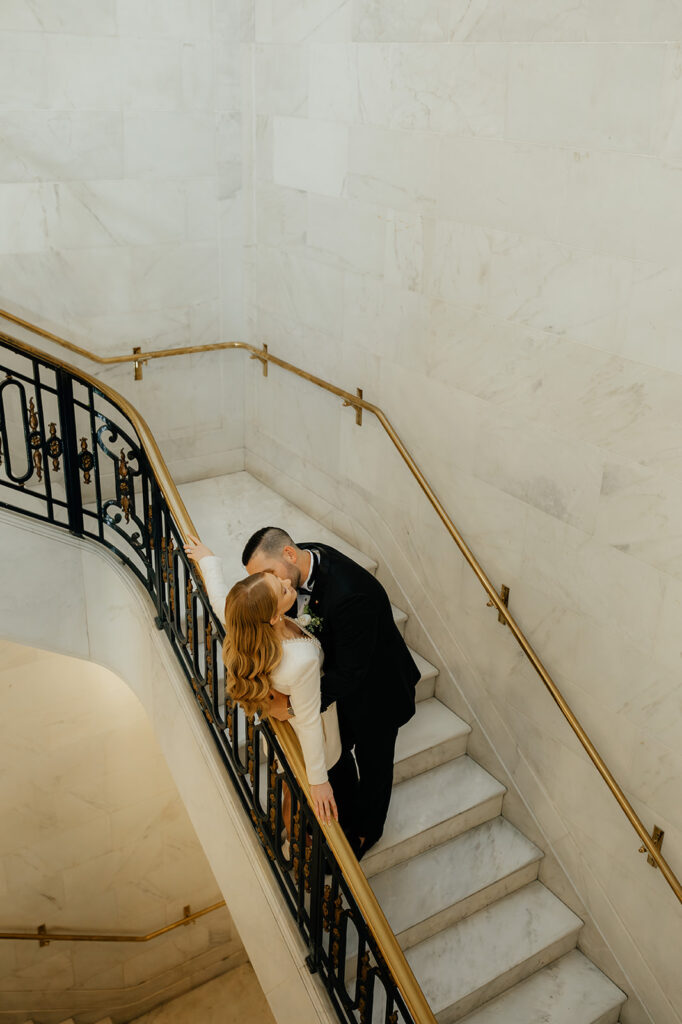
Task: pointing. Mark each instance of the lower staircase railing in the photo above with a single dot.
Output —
(76, 454)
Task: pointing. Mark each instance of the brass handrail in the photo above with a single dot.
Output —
(401, 971)
(45, 937)
(358, 403)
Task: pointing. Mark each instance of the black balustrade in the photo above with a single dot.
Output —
(71, 457)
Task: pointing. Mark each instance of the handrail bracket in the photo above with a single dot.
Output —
(657, 840)
(504, 597)
(355, 405)
(263, 358)
(139, 363)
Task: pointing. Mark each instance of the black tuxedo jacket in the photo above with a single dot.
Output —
(368, 669)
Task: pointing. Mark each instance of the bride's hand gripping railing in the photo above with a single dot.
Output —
(76, 454)
(650, 844)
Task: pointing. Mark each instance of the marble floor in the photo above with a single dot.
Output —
(233, 998)
(228, 509)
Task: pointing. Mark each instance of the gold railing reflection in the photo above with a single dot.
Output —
(45, 938)
(358, 403)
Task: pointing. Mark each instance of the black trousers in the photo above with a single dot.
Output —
(362, 778)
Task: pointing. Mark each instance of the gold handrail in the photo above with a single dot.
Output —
(358, 403)
(366, 900)
(45, 938)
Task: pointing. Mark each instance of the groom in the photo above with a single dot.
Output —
(368, 670)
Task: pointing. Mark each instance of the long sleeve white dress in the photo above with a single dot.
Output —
(298, 675)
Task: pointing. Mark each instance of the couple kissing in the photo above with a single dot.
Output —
(310, 638)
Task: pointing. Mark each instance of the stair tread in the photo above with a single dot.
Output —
(399, 616)
(428, 671)
(433, 723)
(426, 884)
(569, 991)
(227, 509)
(462, 959)
(434, 796)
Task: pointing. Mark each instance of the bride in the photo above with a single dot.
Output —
(265, 650)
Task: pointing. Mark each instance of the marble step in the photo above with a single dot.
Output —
(569, 991)
(426, 687)
(433, 736)
(433, 807)
(400, 618)
(482, 956)
(436, 889)
(226, 510)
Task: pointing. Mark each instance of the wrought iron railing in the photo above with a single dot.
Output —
(74, 453)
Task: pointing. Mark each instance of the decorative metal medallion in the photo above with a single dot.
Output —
(124, 489)
(54, 447)
(35, 438)
(86, 461)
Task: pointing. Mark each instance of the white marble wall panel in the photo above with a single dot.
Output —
(44, 145)
(176, 18)
(653, 311)
(560, 478)
(333, 82)
(152, 73)
(592, 97)
(457, 89)
(347, 235)
(281, 216)
(168, 143)
(281, 80)
(310, 155)
(562, 21)
(302, 289)
(83, 72)
(85, 17)
(394, 169)
(23, 75)
(296, 21)
(668, 136)
(506, 185)
(432, 21)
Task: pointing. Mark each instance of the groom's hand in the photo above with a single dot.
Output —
(279, 706)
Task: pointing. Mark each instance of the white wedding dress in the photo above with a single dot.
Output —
(298, 675)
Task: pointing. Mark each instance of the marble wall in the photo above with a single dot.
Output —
(121, 208)
(94, 838)
(471, 210)
(234, 998)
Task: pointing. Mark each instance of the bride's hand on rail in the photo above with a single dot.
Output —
(324, 802)
(194, 549)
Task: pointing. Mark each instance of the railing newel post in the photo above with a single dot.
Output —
(316, 879)
(67, 417)
(157, 550)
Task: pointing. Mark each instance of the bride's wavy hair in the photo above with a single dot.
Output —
(251, 649)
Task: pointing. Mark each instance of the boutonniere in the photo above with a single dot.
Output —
(308, 620)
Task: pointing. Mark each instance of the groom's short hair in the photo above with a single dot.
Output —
(269, 540)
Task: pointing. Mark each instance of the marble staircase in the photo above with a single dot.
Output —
(487, 941)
